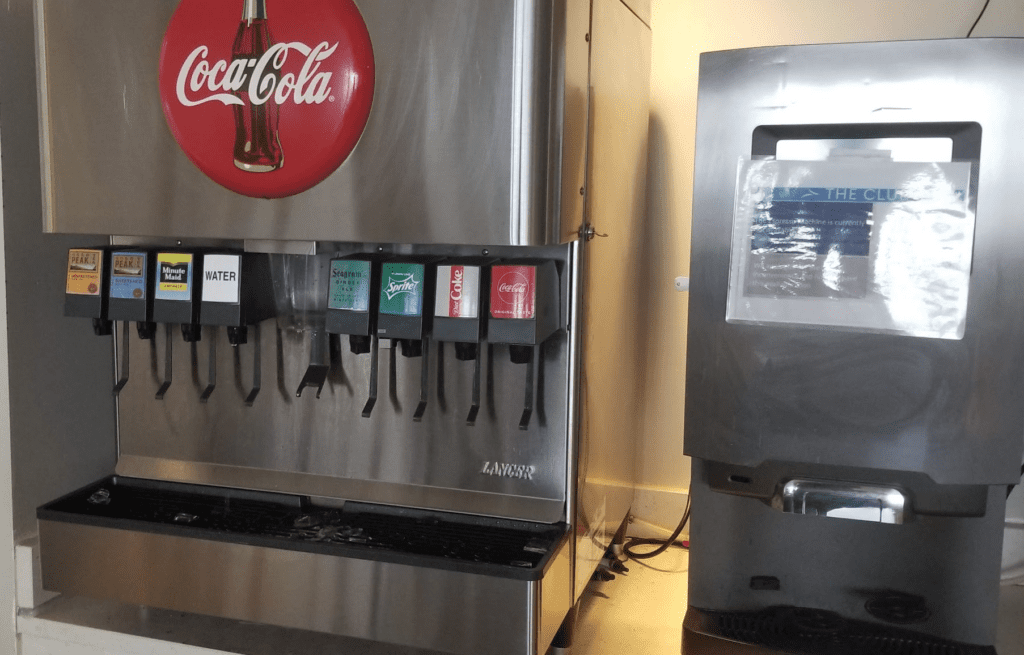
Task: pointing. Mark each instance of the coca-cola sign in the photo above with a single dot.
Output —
(513, 292)
(267, 97)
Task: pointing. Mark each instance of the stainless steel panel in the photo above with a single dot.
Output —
(615, 327)
(946, 408)
(324, 447)
(393, 603)
(62, 425)
(464, 144)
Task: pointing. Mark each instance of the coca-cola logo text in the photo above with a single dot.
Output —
(514, 287)
(260, 78)
(457, 275)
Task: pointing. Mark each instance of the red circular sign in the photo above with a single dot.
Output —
(267, 97)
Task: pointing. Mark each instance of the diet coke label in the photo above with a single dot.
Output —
(267, 97)
(458, 292)
(513, 292)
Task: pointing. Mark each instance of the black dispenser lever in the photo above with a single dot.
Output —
(256, 373)
(352, 300)
(236, 294)
(177, 287)
(406, 291)
(524, 312)
(462, 288)
(372, 400)
(131, 299)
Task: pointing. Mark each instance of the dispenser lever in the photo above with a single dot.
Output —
(168, 361)
(372, 400)
(531, 376)
(424, 381)
(474, 409)
(256, 373)
(213, 366)
(123, 379)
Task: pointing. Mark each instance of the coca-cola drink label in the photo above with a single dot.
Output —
(401, 289)
(513, 292)
(458, 292)
(173, 276)
(267, 97)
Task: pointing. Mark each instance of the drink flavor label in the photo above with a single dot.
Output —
(222, 278)
(128, 275)
(349, 287)
(85, 272)
(401, 289)
(174, 276)
(513, 292)
(458, 292)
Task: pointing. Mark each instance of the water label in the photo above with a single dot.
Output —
(222, 278)
(85, 272)
(349, 287)
(458, 292)
(128, 275)
(401, 289)
(174, 276)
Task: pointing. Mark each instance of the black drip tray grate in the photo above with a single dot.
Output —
(807, 631)
(517, 549)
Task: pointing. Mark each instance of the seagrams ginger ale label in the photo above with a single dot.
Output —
(267, 97)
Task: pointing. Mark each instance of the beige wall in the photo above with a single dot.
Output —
(681, 30)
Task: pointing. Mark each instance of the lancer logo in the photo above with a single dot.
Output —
(505, 470)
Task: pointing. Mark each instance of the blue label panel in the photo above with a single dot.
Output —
(128, 275)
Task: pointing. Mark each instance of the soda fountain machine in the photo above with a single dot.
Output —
(356, 238)
(855, 369)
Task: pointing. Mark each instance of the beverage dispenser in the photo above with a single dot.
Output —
(854, 348)
(406, 174)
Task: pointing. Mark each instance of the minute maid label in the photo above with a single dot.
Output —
(349, 286)
(128, 275)
(401, 289)
(174, 276)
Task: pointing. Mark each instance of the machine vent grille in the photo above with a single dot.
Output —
(818, 632)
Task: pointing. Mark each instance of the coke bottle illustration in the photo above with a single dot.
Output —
(257, 143)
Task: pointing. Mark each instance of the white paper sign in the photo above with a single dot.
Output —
(221, 278)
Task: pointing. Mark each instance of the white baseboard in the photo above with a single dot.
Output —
(657, 511)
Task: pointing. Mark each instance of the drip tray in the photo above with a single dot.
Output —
(786, 630)
(435, 580)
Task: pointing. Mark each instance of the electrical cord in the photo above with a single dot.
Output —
(663, 544)
(976, 20)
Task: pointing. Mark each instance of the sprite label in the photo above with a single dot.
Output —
(401, 289)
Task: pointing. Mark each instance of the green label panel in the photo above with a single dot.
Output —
(350, 285)
(401, 289)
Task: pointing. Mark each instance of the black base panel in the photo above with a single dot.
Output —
(471, 544)
(787, 630)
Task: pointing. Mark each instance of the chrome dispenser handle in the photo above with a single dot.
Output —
(256, 373)
(212, 384)
(168, 361)
(372, 400)
(123, 379)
